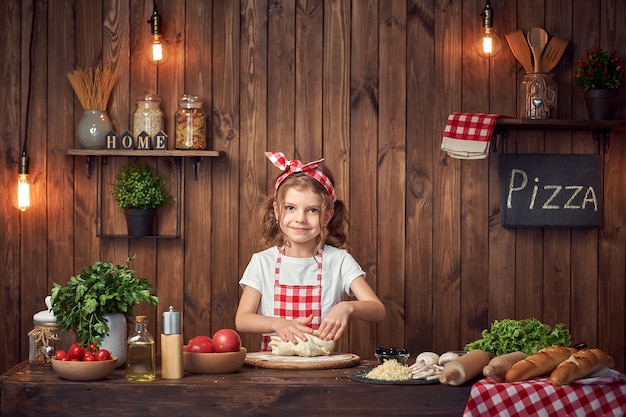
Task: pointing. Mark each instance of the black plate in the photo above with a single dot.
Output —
(359, 376)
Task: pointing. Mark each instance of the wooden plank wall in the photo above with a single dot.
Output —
(368, 84)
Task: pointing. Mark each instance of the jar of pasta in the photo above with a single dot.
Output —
(190, 123)
(148, 116)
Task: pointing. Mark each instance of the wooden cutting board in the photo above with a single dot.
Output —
(332, 361)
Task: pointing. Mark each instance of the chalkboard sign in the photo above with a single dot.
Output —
(550, 190)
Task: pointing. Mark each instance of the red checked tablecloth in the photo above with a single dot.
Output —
(603, 396)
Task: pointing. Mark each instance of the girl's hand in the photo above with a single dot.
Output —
(335, 322)
(294, 330)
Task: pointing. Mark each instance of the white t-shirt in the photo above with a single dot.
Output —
(339, 269)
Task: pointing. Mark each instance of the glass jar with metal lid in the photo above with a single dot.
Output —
(190, 123)
(539, 91)
(47, 338)
(148, 116)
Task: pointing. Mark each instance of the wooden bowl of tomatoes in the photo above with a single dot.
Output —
(80, 364)
(84, 371)
(221, 354)
(214, 363)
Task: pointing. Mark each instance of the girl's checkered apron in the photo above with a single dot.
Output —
(296, 301)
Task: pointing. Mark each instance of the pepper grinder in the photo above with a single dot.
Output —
(171, 345)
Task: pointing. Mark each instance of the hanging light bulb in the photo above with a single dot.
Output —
(489, 43)
(23, 187)
(156, 53)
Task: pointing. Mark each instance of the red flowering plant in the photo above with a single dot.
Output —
(600, 69)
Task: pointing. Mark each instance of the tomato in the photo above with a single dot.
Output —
(199, 339)
(76, 352)
(60, 355)
(226, 340)
(93, 347)
(89, 357)
(103, 355)
(200, 347)
(200, 344)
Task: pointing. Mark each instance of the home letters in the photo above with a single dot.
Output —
(142, 142)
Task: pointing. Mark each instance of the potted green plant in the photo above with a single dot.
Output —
(139, 190)
(97, 303)
(599, 74)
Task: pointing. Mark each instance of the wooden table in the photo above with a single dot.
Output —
(37, 391)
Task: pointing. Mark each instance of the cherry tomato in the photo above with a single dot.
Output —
(89, 357)
(226, 340)
(103, 355)
(93, 347)
(76, 352)
(60, 355)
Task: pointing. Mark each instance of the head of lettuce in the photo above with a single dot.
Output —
(528, 336)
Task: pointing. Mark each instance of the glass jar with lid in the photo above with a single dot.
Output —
(190, 123)
(148, 116)
(539, 92)
(46, 337)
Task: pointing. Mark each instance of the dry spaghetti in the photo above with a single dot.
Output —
(93, 86)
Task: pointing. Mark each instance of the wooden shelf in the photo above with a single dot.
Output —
(134, 152)
(601, 129)
(91, 155)
(559, 124)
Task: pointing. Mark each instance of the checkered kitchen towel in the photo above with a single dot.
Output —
(468, 135)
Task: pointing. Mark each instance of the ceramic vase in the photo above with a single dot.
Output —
(115, 340)
(600, 103)
(92, 129)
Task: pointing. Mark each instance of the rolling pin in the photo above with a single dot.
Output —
(499, 365)
(464, 368)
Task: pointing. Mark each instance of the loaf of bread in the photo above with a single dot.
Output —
(579, 365)
(538, 364)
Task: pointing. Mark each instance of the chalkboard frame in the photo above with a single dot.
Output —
(551, 190)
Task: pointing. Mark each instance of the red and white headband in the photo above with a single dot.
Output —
(295, 166)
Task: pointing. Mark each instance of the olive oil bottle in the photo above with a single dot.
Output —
(140, 353)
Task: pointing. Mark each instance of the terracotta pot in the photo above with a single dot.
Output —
(601, 103)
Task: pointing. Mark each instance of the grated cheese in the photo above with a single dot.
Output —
(390, 370)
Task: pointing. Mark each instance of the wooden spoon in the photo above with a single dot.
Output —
(519, 47)
(537, 39)
(553, 53)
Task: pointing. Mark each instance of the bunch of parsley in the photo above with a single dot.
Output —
(102, 288)
(528, 336)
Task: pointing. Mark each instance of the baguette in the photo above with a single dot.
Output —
(579, 365)
(499, 365)
(538, 364)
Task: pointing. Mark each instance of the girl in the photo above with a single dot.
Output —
(294, 288)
